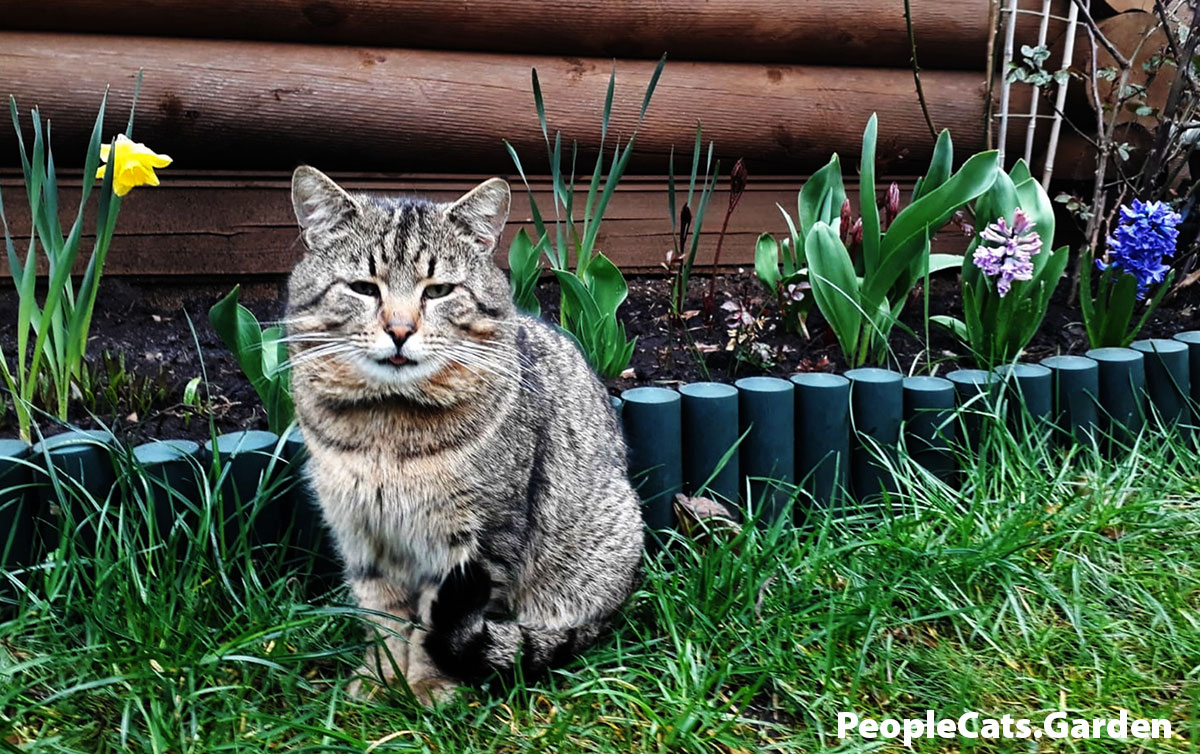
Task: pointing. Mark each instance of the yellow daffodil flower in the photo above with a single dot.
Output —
(133, 162)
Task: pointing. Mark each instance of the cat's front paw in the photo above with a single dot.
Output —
(366, 687)
(433, 690)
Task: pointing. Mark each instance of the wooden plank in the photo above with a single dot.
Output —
(240, 105)
(238, 225)
(842, 32)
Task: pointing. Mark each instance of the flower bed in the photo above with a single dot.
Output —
(767, 443)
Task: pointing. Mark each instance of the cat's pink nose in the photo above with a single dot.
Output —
(400, 329)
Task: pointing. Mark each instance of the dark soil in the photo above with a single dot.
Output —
(668, 355)
(163, 332)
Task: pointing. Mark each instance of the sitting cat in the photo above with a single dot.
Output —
(466, 459)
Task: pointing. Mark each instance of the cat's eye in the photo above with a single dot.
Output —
(365, 288)
(437, 290)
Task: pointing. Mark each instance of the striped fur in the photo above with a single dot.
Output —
(477, 492)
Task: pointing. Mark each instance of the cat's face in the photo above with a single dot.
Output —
(395, 295)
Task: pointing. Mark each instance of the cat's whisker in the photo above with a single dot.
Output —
(301, 338)
(328, 351)
(288, 320)
(503, 350)
(498, 366)
(494, 366)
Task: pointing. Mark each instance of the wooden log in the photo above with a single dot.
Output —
(247, 105)
(1121, 6)
(1076, 159)
(1140, 38)
(223, 225)
(841, 32)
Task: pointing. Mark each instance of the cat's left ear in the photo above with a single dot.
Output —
(483, 210)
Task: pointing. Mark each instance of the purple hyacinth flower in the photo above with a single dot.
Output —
(1006, 252)
(1146, 233)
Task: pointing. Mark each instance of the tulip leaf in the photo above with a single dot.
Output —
(929, 213)
(955, 325)
(940, 262)
(606, 285)
(766, 261)
(939, 166)
(868, 209)
(834, 285)
(821, 197)
(525, 268)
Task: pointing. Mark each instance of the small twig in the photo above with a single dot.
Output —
(1098, 36)
(912, 43)
(1173, 39)
(1166, 125)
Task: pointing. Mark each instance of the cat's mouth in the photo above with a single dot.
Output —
(396, 361)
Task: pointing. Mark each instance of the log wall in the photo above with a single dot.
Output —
(239, 225)
(830, 32)
(421, 94)
(246, 105)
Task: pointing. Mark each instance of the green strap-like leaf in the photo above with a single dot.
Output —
(1150, 307)
(766, 261)
(821, 197)
(866, 196)
(1087, 299)
(940, 262)
(925, 217)
(834, 285)
(940, 166)
(239, 330)
(607, 286)
(956, 326)
(1121, 302)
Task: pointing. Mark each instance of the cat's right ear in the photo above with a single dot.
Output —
(321, 205)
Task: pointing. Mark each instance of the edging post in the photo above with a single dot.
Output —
(16, 509)
(1029, 388)
(929, 426)
(245, 458)
(1168, 380)
(766, 412)
(653, 433)
(822, 434)
(1076, 395)
(1192, 339)
(876, 410)
(80, 461)
(975, 389)
(171, 468)
(1122, 390)
(710, 431)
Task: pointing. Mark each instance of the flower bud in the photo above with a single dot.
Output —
(685, 224)
(891, 205)
(737, 183)
(844, 228)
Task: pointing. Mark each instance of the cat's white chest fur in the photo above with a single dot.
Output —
(405, 517)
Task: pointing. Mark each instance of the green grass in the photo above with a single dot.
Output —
(1054, 579)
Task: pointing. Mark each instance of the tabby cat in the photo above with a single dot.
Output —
(466, 459)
